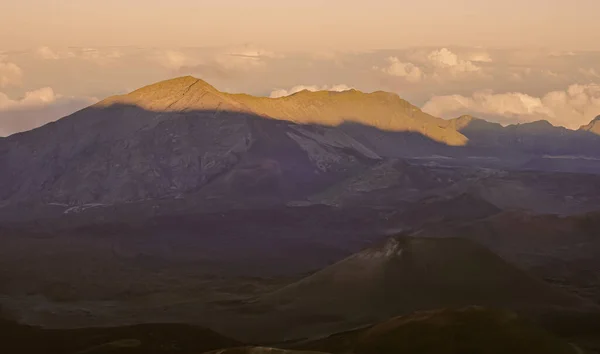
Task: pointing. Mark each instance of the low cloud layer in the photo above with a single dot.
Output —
(504, 85)
(10, 74)
(218, 63)
(282, 92)
(36, 108)
(396, 67)
(97, 56)
(573, 107)
(436, 65)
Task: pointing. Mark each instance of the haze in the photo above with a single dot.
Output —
(301, 24)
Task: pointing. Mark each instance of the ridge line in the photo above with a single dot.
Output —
(183, 95)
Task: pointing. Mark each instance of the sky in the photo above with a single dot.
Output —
(508, 61)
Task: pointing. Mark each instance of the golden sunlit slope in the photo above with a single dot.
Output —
(593, 127)
(382, 110)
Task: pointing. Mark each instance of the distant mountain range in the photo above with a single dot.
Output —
(182, 136)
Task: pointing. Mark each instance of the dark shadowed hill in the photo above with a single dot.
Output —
(538, 138)
(139, 339)
(563, 250)
(403, 275)
(468, 330)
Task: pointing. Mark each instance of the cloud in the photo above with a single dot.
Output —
(409, 71)
(10, 74)
(446, 60)
(48, 54)
(97, 56)
(101, 57)
(219, 63)
(245, 58)
(41, 96)
(282, 93)
(170, 59)
(206, 71)
(573, 107)
(480, 57)
(36, 108)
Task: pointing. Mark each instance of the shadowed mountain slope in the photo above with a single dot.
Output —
(138, 339)
(562, 250)
(468, 330)
(403, 275)
(539, 137)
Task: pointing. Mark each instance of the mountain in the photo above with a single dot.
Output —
(539, 137)
(562, 250)
(467, 330)
(400, 276)
(593, 126)
(183, 137)
(382, 110)
(170, 139)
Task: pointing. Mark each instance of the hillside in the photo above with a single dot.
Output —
(401, 276)
(538, 138)
(562, 250)
(593, 126)
(138, 339)
(468, 330)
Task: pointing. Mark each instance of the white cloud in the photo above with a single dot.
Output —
(573, 107)
(170, 59)
(480, 57)
(222, 61)
(409, 71)
(97, 56)
(10, 74)
(101, 57)
(245, 58)
(48, 54)
(445, 59)
(36, 108)
(38, 97)
(282, 93)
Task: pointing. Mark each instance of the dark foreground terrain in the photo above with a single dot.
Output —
(466, 330)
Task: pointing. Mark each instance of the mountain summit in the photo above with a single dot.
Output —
(593, 126)
(381, 110)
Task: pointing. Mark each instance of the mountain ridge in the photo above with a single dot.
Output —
(176, 137)
(382, 110)
(593, 126)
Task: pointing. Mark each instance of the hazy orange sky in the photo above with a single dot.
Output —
(304, 24)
